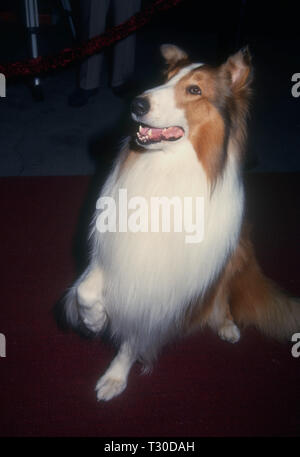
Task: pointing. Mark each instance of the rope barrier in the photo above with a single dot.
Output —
(43, 64)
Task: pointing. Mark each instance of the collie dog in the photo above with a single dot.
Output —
(147, 287)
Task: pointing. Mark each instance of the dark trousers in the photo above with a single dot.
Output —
(94, 14)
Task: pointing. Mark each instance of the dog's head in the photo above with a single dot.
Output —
(197, 102)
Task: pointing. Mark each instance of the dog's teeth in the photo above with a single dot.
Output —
(150, 132)
(140, 128)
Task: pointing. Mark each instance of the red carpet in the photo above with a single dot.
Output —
(200, 387)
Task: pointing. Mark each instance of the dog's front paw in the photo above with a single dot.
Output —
(229, 332)
(94, 318)
(109, 386)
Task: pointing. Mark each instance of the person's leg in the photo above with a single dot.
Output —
(94, 14)
(124, 50)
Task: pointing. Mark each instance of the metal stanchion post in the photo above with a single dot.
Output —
(68, 10)
(32, 24)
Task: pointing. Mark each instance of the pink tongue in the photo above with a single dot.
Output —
(173, 132)
(170, 132)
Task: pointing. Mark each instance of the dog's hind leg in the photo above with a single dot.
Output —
(228, 330)
(90, 299)
(215, 312)
(221, 320)
(114, 380)
(218, 316)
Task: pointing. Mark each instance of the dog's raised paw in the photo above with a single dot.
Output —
(109, 386)
(94, 318)
(229, 332)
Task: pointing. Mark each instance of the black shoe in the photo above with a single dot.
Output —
(81, 96)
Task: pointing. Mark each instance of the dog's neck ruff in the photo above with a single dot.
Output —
(151, 278)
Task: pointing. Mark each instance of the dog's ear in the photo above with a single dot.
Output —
(172, 54)
(239, 68)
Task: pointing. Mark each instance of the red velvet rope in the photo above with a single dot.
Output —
(33, 67)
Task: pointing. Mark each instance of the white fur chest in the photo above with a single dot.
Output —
(150, 278)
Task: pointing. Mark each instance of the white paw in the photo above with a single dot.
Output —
(229, 332)
(110, 386)
(95, 318)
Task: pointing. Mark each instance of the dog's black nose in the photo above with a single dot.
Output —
(140, 106)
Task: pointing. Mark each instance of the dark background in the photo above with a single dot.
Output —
(51, 138)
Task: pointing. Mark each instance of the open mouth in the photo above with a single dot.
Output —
(149, 135)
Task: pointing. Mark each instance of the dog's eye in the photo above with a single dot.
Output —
(194, 90)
